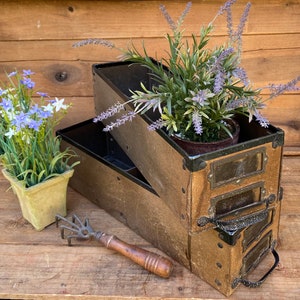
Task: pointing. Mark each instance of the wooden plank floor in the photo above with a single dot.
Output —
(39, 265)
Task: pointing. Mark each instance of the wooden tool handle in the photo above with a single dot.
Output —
(152, 262)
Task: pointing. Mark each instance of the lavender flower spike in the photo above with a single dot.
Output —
(184, 13)
(225, 7)
(217, 66)
(278, 89)
(230, 23)
(262, 121)
(168, 17)
(243, 20)
(219, 82)
(102, 42)
(160, 123)
(197, 122)
(200, 97)
(111, 111)
(242, 75)
(125, 118)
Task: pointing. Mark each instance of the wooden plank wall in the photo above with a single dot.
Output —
(38, 35)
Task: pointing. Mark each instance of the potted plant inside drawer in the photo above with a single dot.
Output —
(194, 95)
(197, 92)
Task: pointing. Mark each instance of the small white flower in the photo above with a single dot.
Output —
(59, 104)
(11, 132)
(48, 107)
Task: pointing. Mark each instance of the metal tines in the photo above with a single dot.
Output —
(77, 229)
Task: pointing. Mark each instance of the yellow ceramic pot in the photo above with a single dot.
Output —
(42, 202)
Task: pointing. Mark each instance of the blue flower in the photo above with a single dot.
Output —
(27, 73)
(243, 21)
(20, 120)
(42, 94)
(34, 110)
(6, 104)
(278, 89)
(44, 114)
(34, 124)
(28, 83)
(12, 74)
(218, 64)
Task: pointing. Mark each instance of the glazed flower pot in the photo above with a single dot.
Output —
(196, 148)
(41, 202)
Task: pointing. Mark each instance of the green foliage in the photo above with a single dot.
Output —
(197, 88)
(30, 149)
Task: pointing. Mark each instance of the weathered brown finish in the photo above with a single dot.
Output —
(188, 189)
(39, 35)
(144, 207)
(183, 197)
(150, 153)
(39, 265)
(154, 154)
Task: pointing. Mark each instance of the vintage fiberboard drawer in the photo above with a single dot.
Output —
(216, 214)
(180, 180)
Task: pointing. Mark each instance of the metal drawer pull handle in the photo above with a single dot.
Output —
(235, 224)
(238, 223)
(255, 284)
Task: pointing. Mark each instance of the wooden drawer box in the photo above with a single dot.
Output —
(179, 179)
(216, 214)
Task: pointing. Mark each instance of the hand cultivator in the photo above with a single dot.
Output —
(152, 262)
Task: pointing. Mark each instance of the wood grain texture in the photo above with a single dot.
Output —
(39, 265)
(39, 35)
(69, 20)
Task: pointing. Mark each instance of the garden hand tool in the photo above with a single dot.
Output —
(152, 262)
